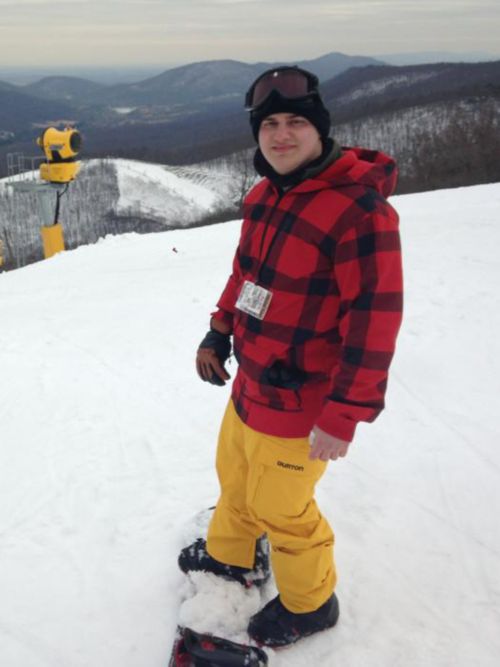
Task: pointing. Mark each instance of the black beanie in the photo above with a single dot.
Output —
(311, 108)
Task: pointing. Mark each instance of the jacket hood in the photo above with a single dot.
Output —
(357, 166)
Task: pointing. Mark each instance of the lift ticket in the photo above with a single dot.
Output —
(254, 300)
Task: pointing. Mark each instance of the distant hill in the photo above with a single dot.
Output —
(19, 110)
(64, 89)
(425, 57)
(208, 81)
(331, 65)
(202, 83)
(365, 91)
(4, 86)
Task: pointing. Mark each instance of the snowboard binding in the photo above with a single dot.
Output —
(193, 649)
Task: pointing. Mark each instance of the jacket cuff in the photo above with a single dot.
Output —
(223, 316)
(337, 425)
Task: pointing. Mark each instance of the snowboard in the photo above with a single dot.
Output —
(214, 615)
(195, 649)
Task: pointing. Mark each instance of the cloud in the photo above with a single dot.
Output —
(147, 31)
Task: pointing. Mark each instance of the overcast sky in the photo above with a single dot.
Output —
(144, 32)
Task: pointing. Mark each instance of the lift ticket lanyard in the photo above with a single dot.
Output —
(254, 299)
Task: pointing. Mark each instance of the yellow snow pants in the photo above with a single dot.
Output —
(267, 486)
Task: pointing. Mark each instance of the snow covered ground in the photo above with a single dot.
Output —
(107, 443)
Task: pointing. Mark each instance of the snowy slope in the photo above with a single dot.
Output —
(177, 196)
(155, 191)
(119, 196)
(107, 445)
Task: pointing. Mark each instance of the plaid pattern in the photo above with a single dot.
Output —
(334, 269)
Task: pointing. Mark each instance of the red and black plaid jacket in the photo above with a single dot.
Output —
(333, 264)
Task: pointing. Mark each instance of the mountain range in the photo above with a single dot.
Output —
(372, 90)
(177, 116)
(198, 83)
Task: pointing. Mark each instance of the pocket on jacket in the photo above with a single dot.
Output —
(285, 400)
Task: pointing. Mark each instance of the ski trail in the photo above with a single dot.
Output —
(26, 642)
(412, 500)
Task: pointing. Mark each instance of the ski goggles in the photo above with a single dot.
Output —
(292, 83)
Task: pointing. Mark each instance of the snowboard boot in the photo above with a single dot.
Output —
(195, 558)
(275, 626)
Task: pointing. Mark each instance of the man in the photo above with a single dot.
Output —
(313, 305)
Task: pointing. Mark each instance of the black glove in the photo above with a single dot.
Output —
(221, 345)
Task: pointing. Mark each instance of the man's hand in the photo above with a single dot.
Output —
(210, 368)
(214, 350)
(325, 446)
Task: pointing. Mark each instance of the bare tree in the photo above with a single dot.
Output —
(465, 152)
(245, 173)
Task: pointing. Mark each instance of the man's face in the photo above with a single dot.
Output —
(288, 141)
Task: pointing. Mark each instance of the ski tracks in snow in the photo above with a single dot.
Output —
(448, 494)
